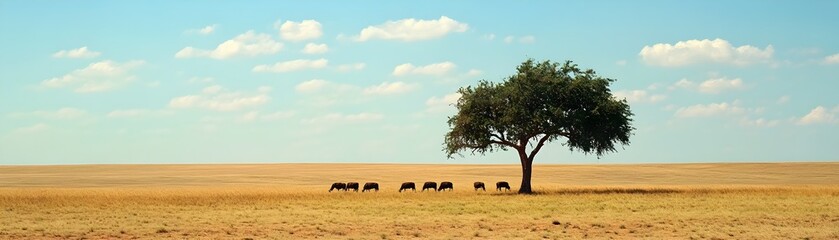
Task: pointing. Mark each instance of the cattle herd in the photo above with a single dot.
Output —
(370, 186)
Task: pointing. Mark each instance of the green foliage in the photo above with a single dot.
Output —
(542, 102)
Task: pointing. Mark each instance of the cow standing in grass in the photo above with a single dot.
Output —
(446, 185)
(431, 185)
(408, 185)
(353, 186)
(338, 186)
(502, 184)
(370, 186)
(479, 185)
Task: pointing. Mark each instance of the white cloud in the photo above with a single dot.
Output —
(299, 31)
(489, 37)
(720, 84)
(311, 86)
(621, 63)
(246, 44)
(710, 86)
(257, 116)
(313, 48)
(713, 109)
(638, 96)
(204, 30)
(474, 73)
(412, 29)
(351, 67)
(96, 77)
(521, 39)
(338, 118)
(63, 114)
(818, 115)
(431, 69)
(221, 100)
(323, 86)
(387, 88)
(444, 103)
(208, 29)
(832, 59)
(293, 65)
(81, 52)
(704, 51)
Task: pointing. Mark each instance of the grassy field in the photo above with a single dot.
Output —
(290, 201)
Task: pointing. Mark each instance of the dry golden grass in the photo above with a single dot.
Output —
(289, 201)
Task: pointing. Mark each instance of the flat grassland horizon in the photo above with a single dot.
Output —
(290, 201)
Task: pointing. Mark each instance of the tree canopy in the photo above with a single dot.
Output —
(542, 102)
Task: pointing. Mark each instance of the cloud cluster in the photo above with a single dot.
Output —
(220, 99)
(314, 48)
(818, 115)
(299, 31)
(293, 65)
(388, 88)
(832, 59)
(411, 29)
(82, 52)
(638, 96)
(711, 86)
(444, 103)
(96, 77)
(704, 51)
(204, 30)
(708, 110)
(431, 69)
(247, 44)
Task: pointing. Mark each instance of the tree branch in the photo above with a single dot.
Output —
(501, 140)
(538, 146)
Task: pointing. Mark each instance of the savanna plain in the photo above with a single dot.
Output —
(291, 201)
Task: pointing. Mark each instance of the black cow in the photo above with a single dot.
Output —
(479, 185)
(427, 185)
(408, 185)
(370, 187)
(338, 186)
(446, 185)
(353, 186)
(502, 184)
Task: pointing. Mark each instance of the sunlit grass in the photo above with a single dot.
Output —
(295, 208)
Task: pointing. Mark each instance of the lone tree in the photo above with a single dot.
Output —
(543, 102)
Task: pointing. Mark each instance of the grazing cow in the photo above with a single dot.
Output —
(408, 185)
(479, 185)
(353, 186)
(338, 186)
(502, 184)
(427, 185)
(446, 185)
(370, 187)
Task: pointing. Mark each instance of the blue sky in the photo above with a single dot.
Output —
(250, 81)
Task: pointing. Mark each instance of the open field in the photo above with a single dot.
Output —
(701, 201)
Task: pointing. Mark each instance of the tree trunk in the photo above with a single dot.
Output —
(526, 171)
